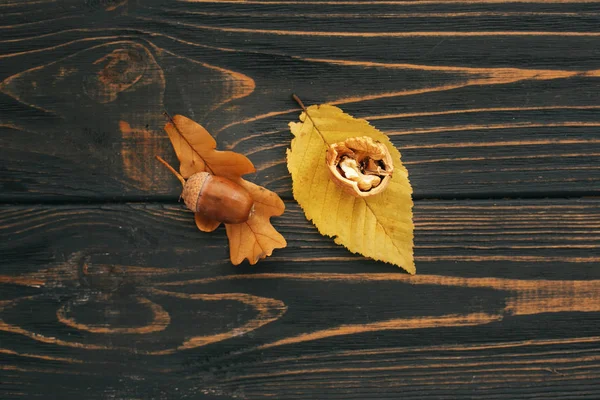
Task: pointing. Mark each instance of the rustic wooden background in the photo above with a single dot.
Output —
(108, 291)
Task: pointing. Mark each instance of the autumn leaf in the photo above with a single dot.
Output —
(196, 150)
(205, 224)
(380, 226)
(256, 239)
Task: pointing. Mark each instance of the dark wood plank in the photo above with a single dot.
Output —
(131, 301)
(107, 290)
(484, 99)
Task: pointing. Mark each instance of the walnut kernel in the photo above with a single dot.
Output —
(360, 166)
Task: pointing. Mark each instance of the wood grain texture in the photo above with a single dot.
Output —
(483, 99)
(108, 290)
(136, 288)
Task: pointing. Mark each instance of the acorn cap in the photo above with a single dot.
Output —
(193, 188)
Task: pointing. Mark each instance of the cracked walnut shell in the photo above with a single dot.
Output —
(360, 166)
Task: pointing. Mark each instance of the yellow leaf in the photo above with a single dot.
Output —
(380, 226)
(256, 238)
(195, 149)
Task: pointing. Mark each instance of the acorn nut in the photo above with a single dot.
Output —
(217, 198)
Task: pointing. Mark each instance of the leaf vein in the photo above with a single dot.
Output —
(384, 230)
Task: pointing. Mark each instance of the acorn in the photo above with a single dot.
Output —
(215, 197)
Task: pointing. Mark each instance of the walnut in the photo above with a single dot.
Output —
(360, 166)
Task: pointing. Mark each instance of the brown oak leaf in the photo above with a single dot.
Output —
(205, 224)
(255, 239)
(196, 150)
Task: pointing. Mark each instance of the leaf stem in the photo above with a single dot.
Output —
(177, 174)
(297, 100)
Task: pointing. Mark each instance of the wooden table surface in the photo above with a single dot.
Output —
(108, 291)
